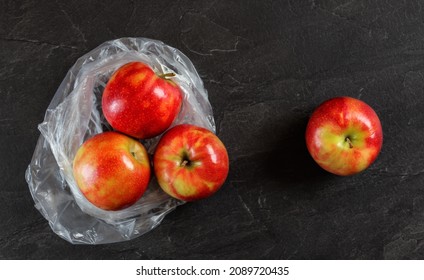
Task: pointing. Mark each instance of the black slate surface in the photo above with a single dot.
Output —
(266, 66)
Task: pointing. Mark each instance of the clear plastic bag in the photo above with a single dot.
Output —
(74, 115)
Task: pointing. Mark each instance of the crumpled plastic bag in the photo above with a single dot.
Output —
(74, 115)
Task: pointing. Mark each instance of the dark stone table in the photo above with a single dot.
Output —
(266, 66)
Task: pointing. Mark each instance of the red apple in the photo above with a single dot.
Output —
(112, 170)
(140, 103)
(190, 162)
(344, 135)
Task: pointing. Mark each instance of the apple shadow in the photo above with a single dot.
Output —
(289, 161)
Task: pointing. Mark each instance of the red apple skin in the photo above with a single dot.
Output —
(344, 135)
(140, 103)
(190, 162)
(112, 170)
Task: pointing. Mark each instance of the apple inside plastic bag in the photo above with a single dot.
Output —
(75, 115)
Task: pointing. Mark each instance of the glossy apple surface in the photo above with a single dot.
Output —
(112, 170)
(190, 162)
(344, 135)
(140, 103)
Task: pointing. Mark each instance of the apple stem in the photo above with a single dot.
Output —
(347, 139)
(184, 163)
(167, 75)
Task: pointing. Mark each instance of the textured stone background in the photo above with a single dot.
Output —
(266, 65)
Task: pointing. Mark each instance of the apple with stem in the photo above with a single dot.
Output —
(344, 135)
(138, 102)
(112, 170)
(190, 162)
